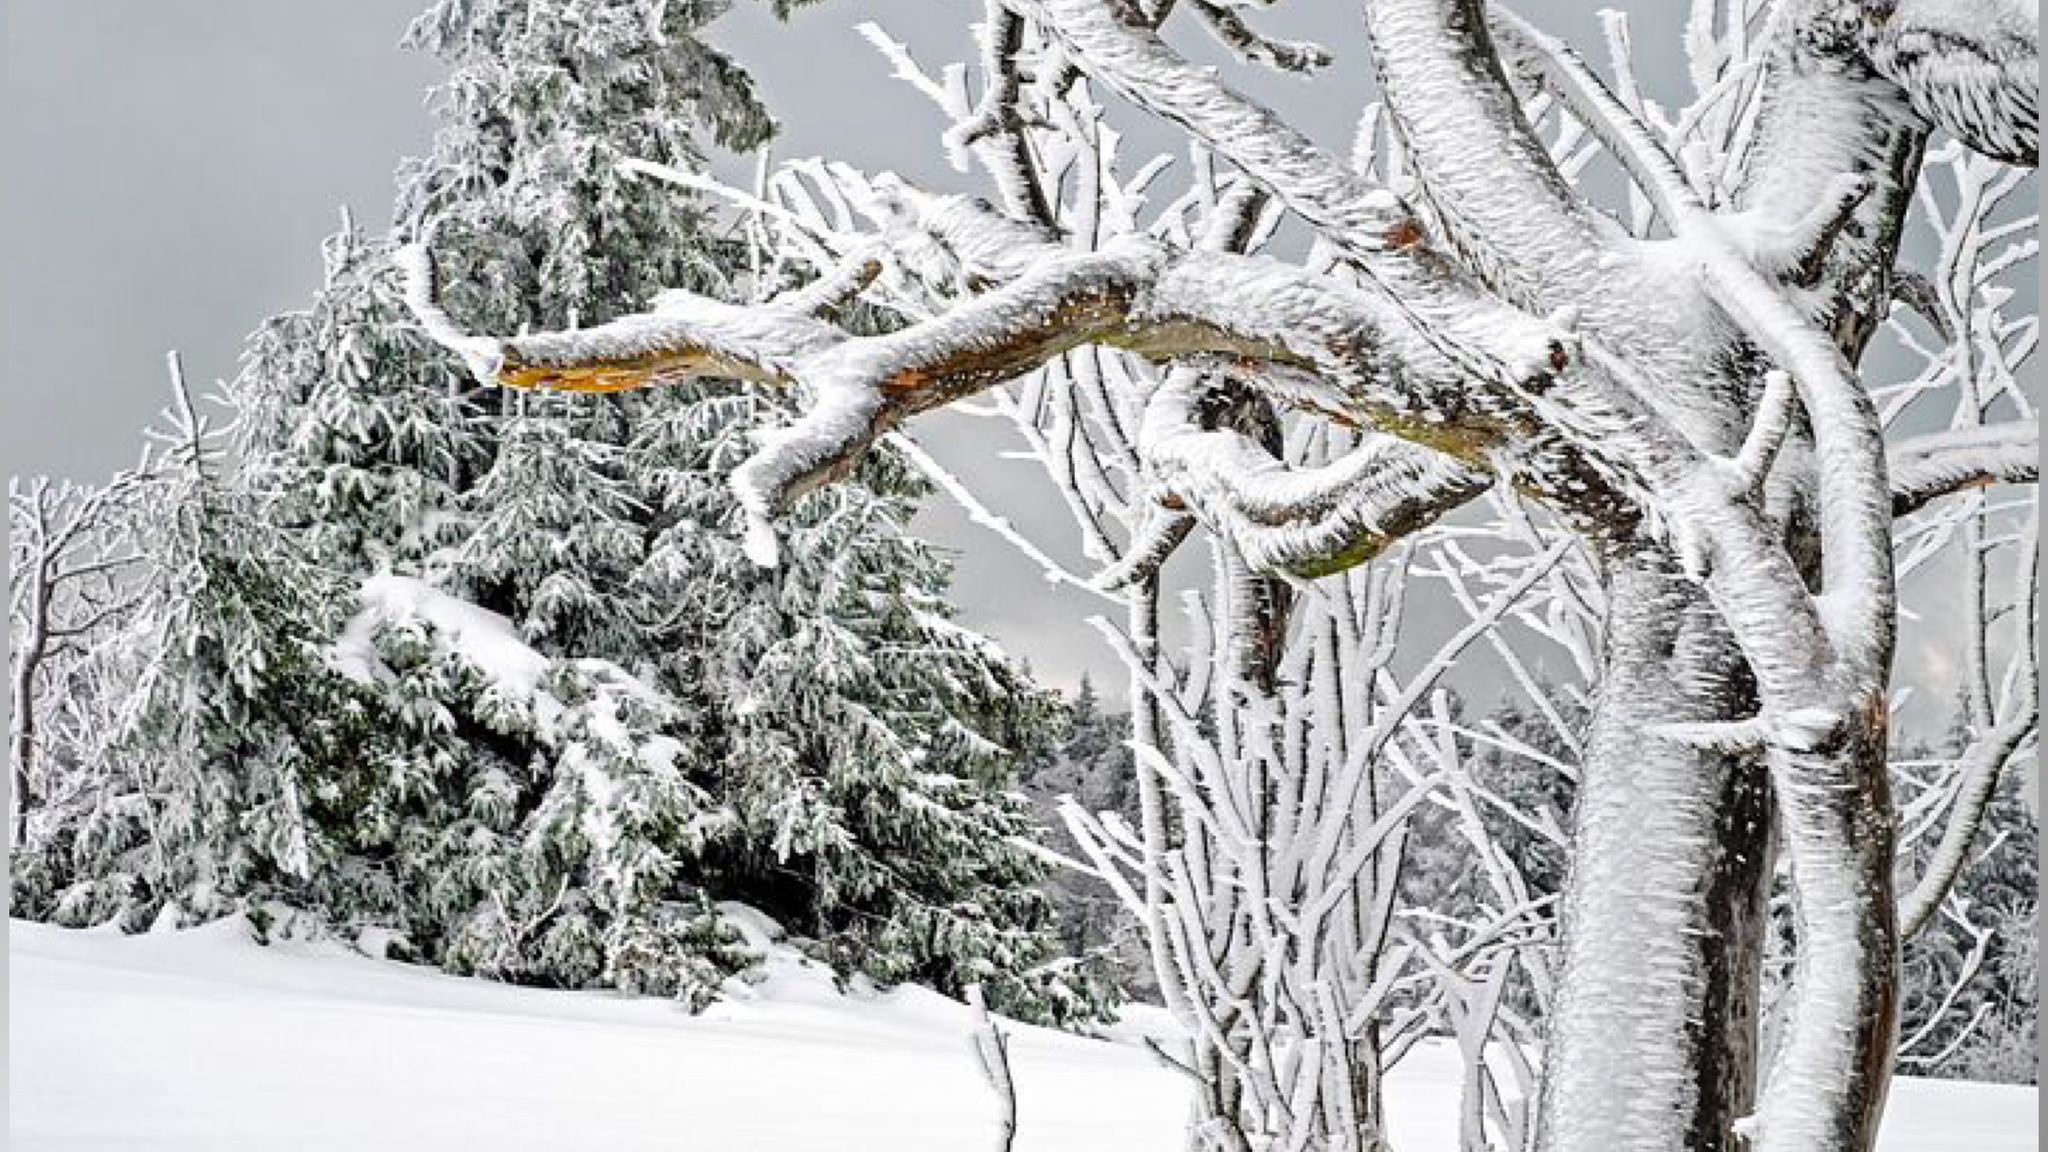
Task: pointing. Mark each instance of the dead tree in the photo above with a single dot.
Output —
(69, 562)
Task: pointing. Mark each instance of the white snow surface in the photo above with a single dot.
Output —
(204, 1040)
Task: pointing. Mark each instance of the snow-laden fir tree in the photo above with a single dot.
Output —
(1093, 765)
(523, 188)
(834, 712)
(360, 433)
(533, 819)
(557, 530)
(866, 743)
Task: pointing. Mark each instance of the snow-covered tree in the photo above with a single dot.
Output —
(556, 534)
(593, 527)
(486, 683)
(71, 555)
(226, 741)
(523, 187)
(530, 819)
(359, 433)
(865, 742)
(1681, 390)
(1092, 764)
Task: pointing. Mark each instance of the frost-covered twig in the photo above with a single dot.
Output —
(1928, 467)
(992, 1051)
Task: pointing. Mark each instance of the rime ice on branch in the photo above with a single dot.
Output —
(1687, 399)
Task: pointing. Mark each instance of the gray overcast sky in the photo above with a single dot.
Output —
(172, 165)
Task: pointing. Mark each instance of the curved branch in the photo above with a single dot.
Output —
(1856, 534)
(1488, 180)
(1926, 468)
(1987, 757)
(1823, 113)
(1970, 67)
(1152, 543)
(1302, 522)
(1982, 765)
(1569, 427)
(1364, 221)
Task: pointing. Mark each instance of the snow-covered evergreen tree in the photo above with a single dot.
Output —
(523, 194)
(866, 743)
(1093, 764)
(835, 705)
(535, 822)
(357, 428)
(556, 531)
(231, 747)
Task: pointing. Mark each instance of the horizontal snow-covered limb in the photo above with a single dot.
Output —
(683, 336)
(1926, 468)
(1337, 347)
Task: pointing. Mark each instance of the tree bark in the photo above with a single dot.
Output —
(1664, 908)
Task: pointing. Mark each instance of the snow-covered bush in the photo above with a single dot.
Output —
(534, 820)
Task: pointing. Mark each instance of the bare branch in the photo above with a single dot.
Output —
(1987, 756)
(1926, 468)
(992, 1049)
(1230, 28)
(1489, 182)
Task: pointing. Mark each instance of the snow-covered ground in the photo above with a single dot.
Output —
(203, 1041)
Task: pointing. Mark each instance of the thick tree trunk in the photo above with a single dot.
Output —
(1653, 1039)
(1833, 1068)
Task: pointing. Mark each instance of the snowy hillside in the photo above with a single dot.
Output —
(204, 1041)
